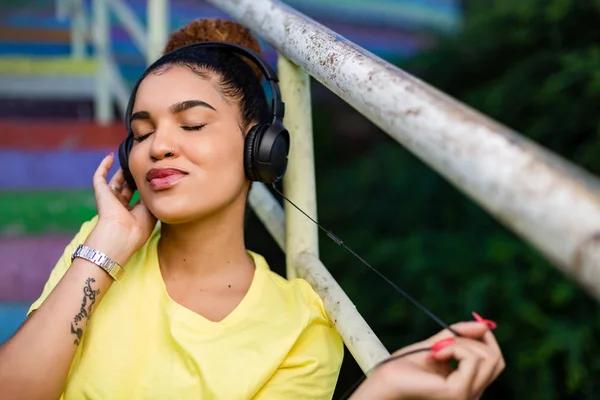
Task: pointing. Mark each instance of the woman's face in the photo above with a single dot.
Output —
(187, 157)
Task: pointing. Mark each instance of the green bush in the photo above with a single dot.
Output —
(534, 66)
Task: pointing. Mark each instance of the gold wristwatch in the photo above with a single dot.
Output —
(100, 259)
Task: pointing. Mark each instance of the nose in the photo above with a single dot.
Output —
(163, 145)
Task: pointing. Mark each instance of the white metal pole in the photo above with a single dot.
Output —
(158, 28)
(269, 212)
(546, 200)
(127, 18)
(78, 30)
(358, 336)
(62, 11)
(299, 182)
(101, 34)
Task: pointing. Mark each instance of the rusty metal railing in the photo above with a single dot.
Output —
(550, 203)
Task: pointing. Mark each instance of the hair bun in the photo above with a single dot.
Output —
(215, 30)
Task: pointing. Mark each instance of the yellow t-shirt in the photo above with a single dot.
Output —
(141, 344)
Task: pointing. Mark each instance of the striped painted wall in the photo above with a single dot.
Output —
(46, 195)
(389, 28)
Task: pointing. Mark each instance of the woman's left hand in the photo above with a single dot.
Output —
(429, 375)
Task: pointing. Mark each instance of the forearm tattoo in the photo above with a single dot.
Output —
(89, 298)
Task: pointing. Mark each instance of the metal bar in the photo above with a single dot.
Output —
(78, 30)
(130, 22)
(103, 110)
(363, 344)
(158, 28)
(549, 202)
(62, 9)
(268, 211)
(120, 89)
(359, 338)
(302, 235)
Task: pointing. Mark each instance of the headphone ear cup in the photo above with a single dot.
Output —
(266, 152)
(124, 150)
(273, 150)
(249, 152)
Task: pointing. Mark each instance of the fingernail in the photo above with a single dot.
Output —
(437, 346)
(491, 324)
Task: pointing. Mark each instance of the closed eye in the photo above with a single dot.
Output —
(193, 128)
(141, 138)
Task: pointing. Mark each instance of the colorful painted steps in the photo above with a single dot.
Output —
(39, 212)
(55, 155)
(366, 22)
(12, 315)
(46, 196)
(27, 265)
(48, 66)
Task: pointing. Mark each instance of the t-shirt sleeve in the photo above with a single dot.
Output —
(64, 262)
(311, 369)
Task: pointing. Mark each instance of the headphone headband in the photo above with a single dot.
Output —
(277, 107)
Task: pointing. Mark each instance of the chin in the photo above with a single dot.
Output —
(175, 210)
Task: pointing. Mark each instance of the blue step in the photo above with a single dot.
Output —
(12, 316)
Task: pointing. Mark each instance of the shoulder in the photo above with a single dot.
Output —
(316, 348)
(297, 293)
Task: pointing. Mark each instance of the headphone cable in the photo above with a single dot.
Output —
(341, 243)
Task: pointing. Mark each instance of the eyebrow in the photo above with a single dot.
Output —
(175, 109)
(185, 105)
(139, 115)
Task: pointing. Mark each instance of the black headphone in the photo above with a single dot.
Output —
(266, 145)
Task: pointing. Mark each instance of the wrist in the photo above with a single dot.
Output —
(370, 389)
(377, 386)
(111, 242)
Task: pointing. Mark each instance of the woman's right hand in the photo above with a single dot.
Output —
(122, 228)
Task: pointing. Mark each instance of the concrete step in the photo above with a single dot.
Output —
(47, 77)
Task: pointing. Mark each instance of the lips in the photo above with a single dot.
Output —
(164, 178)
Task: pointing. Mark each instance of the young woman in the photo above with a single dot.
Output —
(194, 315)
(181, 309)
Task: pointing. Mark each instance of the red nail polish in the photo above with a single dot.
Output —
(437, 346)
(491, 324)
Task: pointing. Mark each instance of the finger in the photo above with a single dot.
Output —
(490, 340)
(468, 329)
(99, 178)
(117, 180)
(487, 360)
(123, 200)
(127, 193)
(482, 350)
(460, 382)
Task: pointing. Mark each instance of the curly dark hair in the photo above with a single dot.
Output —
(239, 79)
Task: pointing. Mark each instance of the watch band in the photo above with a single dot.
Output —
(100, 259)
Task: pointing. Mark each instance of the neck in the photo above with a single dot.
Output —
(205, 247)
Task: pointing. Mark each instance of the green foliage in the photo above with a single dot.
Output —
(534, 66)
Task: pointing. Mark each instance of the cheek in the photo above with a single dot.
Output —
(222, 158)
(136, 164)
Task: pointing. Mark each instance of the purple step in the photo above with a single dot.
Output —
(26, 265)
